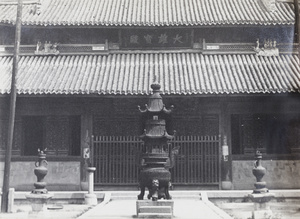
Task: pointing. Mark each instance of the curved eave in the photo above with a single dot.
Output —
(125, 25)
(85, 93)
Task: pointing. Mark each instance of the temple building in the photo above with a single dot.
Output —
(230, 68)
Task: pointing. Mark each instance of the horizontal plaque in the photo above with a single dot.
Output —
(156, 38)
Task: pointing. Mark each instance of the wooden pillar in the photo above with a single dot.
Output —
(225, 145)
(86, 135)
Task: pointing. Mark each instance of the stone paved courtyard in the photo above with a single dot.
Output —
(281, 210)
(187, 204)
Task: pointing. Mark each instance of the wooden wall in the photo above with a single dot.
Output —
(120, 116)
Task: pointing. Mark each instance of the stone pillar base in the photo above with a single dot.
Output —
(261, 208)
(90, 199)
(39, 201)
(261, 199)
(226, 185)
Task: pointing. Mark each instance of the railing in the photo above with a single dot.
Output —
(197, 163)
(198, 160)
(115, 159)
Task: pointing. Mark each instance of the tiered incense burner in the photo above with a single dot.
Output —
(157, 154)
(40, 171)
(259, 171)
(260, 195)
(39, 197)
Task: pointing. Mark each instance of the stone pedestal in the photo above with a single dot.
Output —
(261, 208)
(11, 198)
(90, 198)
(157, 209)
(39, 201)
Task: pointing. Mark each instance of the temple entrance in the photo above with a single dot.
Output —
(197, 163)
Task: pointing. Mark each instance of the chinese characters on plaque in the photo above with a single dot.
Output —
(156, 38)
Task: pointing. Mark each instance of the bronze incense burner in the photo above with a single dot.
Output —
(157, 155)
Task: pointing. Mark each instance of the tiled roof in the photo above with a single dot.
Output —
(178, 73)
(150, 13)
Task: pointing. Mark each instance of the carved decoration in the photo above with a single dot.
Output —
(269, 48)
(269, 5)
(47, 48)
(36, 8)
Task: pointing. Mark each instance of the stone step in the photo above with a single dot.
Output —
(155, 209)
(155, 215)
(161, 208)
(132, 195)
(142, 203)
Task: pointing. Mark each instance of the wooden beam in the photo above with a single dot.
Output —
(11, 121)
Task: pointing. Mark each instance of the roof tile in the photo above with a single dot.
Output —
(150, 13)
(178, 73)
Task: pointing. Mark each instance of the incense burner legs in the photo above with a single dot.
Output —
(158, 181)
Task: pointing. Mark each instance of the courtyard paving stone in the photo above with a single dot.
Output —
(185, 209)
(69, 211)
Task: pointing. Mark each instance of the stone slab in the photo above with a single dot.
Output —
(160, 208)
(262, 214)
(155, 215)
(155, 203)
(261, 197)
(155, 209)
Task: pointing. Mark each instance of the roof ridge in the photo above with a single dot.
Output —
(129, 14)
